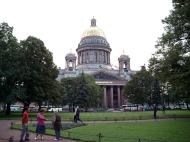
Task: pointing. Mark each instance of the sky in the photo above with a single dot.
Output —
(132, 27)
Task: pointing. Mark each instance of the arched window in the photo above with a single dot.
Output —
(125, 65)
(70, 64)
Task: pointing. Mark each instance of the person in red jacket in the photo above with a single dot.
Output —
(24, 131)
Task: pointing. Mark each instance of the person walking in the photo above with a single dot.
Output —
(77, 115)
(57, 126)
(24, 130)
(40, 128)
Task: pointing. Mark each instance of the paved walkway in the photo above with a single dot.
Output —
(6, 132)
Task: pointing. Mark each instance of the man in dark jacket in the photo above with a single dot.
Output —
(57, 126)
(77, 115)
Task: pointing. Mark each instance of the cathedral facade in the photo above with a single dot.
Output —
(93, 57)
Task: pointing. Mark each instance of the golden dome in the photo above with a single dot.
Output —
(93, 30)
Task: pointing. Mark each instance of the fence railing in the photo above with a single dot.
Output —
(100, 137)
(97, 138)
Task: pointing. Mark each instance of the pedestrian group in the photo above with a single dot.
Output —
(40, 126)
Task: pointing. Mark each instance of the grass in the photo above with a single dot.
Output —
(106, 116)
(164, 131)
(170, 131)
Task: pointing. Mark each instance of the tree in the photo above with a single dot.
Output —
(37, 72)
(95, 97)
(171, 62)
(81, 91)
(156, 91)
(144, 88)
(9, 65)
(88, 92)
(138, 90)
(69, 89)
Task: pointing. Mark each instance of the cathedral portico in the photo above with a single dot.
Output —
(112, 96)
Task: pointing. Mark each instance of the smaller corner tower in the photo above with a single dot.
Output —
(70, 59)
(124, 63)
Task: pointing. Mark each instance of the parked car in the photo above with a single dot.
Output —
(133, 107)
(16, 108)
(130, 108)
(110, 110)
(33, 109)
(55, 109)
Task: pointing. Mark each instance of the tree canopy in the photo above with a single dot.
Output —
(27, 71)
(171, 61)
(38, 72)
(81, 91)
(9, 60)
(139, 89)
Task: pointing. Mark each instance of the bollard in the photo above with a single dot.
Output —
(11, 139)
(99, 137)
(12, 123)
(69, 134)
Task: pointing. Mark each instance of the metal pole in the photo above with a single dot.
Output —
(69, 134)
(99, 137)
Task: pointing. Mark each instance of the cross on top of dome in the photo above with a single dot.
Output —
(93, 30)
(93, 22)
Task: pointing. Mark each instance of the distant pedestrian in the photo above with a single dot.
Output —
(40, 128)
(57, 126)
(77, 115)
(24, 131)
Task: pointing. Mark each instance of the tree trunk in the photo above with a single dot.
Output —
(39, 106)
(26, 105)
(163, 108)
(155, 111)
(8, 109)
(4, 107)
(86, 109)
(168, 101)
(73, 108)
(187, 106)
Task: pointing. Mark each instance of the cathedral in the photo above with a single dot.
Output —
(93, 57)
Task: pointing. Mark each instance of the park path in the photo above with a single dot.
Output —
(6, 132)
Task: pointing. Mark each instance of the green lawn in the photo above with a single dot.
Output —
(170, 131)
(105, 116)
(163, 131)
